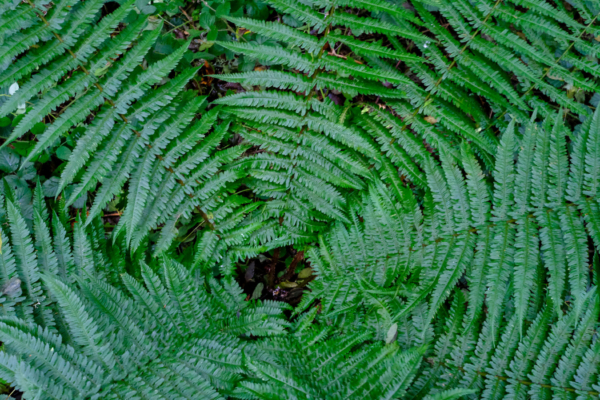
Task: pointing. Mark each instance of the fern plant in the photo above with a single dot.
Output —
(451, 260)
(423, 82)
(143, 135)
(487, 42)
(302, 176)
(75, 325)
(417, 276)
(325, 364)
(496, 282)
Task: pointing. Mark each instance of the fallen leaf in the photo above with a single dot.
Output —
(305, 273)
(392, 334)
(249, 271)
(258, 291)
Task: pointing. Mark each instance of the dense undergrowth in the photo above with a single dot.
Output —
(331, 199)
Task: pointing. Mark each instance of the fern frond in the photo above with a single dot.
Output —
(279, 32)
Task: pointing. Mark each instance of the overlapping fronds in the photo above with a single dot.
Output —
(496, 281)
(426, 82)
(76, 326)
(427, 156)
(433, 89)
(373, 324)
(328, 369)
(140, 129)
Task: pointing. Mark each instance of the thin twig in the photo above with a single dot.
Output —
(292, 267)
(188, 17)
(10, 394)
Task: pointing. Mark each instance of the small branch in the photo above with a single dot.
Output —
(117, 214)
(188, 17)
(290, 271)
(272, 268)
